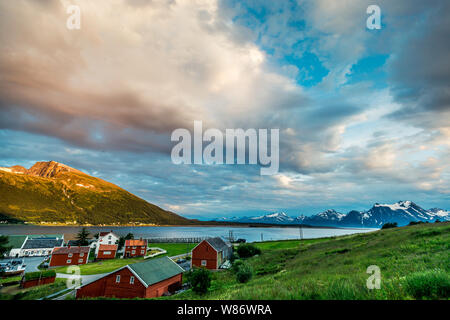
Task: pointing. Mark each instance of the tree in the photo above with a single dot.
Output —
(129, 236)
(122, 239)
(244, 273)
(4, 248)
(246, 250)
(388, 225)
(200, 280)
(83, 237)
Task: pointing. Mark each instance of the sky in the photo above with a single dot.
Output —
(363, 115)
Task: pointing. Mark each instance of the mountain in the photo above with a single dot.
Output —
(273, 218)
(54, 192)
(401, 212)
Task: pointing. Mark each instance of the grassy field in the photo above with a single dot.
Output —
(414, 264)
(16, 293)
(106, 266)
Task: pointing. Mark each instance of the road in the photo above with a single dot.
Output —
(84, 279)
(32, 263)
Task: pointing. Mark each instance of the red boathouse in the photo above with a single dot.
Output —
(148, 279)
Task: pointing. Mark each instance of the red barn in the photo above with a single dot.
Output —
(66, 256)
(107, 251)
(148, 279)
(135, 248)
(211, 253)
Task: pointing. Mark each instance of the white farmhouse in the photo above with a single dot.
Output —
(107, 237)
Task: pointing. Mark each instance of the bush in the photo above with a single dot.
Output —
(233, 257)
(388, 225)
(200, 280)
(430, 284)
(246, 250)
(244, 273)
(413, 223)
(236, 265)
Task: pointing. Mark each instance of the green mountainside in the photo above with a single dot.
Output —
(52, 192)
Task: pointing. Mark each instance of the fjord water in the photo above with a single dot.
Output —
(251, 234)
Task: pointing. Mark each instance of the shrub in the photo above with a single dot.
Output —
(246, 250)
(200, 280)
(244, 273)
(413, 223)
(388, 225)
(430, 284)
(236, 265)
(233, 257)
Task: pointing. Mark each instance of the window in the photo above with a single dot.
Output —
(80, 260)
(133, 251)
(134, 247)
(131, 280)
(142, 251)
(109, 237)
(69, 261)
(70, 255)
(82, 254)
(203, 263)
(118, 278)
(109, 242)
(106, 253)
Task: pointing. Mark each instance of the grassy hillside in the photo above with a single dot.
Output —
(73, 196)
(414, 263)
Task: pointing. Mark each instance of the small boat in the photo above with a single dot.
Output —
(12, 268)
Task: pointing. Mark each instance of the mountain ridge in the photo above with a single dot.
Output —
(52, 192)
(401, 212)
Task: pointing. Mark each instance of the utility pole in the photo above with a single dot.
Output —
(301, 231)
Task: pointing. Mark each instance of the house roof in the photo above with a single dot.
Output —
(104, 233)
(53, 236)
(130, 243)
(16, 241)
(155, 270)
(111, 247)
(39, 243)
(218, 244)
(65, 250)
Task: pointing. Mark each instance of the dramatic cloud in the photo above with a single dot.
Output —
(363, 115)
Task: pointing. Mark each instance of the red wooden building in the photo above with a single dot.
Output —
(66, 256)
(135, 248)
(148, 279)
(211, 253)
(107, 251)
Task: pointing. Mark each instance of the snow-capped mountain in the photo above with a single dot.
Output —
(329, 217)
(402, 212)
(273, 218)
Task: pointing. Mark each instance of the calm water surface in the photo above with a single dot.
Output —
(248, 233)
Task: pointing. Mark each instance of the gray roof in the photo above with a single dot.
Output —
(218, 243)
(155, 270)
(43, 243)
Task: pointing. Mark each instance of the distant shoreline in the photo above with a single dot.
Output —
(206, 225)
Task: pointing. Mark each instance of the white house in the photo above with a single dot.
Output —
(40, 246)
(107, 237)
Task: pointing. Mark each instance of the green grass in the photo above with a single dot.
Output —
(413, 262)
(10, 279)
(106, 266)
(34, 293)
